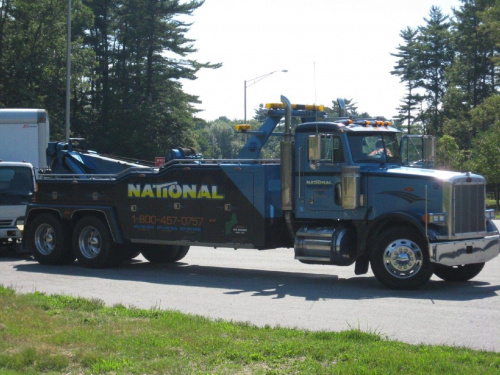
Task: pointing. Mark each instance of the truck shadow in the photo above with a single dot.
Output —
(274, 284)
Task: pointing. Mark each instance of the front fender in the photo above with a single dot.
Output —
(392, 219)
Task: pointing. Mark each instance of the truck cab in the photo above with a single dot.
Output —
(17, 186)
(356, 199)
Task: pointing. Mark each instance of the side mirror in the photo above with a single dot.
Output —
(418, 150)
(429, 151)
(314, 148)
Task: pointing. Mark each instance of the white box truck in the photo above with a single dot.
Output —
(24, 137)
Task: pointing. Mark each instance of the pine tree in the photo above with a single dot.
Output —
(435, 56)
(473, 76)
(407, 68)
(141, 56)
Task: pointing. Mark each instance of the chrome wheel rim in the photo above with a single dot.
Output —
(45, 239)
(90, 242)
(403, 258)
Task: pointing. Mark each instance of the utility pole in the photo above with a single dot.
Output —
(68, 71)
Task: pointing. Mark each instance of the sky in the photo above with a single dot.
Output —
(330, 49)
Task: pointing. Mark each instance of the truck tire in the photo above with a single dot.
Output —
(164, 254)
(49, 240)
(458, 273)
(93, 244)
(128, 252)
(400, 259)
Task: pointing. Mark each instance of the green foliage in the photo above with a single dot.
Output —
(88, 338)
(128, 57)
(452, 62)
(218, 140)
(33, 55)
(407, 68)
(473, 69)
(423, 60)
(486, 116)
(141, 52)
(448, 154)
(485, 152)
(435, 56)
(486, 155)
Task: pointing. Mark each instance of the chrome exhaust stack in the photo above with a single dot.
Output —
(287, 168)
(287, 159)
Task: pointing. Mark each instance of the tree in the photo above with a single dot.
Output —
(491, 27)
(217, 139)
(33, 55)
(435, 55)
(138, 107)
(448, 154)
(407, 68)
(473, 71)
(486, 158)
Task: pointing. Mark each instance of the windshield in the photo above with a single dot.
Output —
(374, 148)
(16, 185)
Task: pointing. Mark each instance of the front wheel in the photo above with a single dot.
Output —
(458, 273)
(164, 254)
(93, 244)
(400, 259)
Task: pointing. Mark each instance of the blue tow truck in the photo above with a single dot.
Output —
(343, 192)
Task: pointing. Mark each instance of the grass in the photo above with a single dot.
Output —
(63, 335)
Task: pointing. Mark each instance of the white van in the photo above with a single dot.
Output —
(17, 186)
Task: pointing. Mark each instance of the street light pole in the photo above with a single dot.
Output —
(253, 81)
(68, 71)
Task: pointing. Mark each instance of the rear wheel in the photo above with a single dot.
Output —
(48, 240)
(93, 244)
(458, 273)
(128, 252)
(400, 259)
(164, 253)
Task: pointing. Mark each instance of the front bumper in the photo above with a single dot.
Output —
(457, 253)
(12, 232)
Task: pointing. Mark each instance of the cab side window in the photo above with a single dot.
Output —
(330, 149)
(338, 152)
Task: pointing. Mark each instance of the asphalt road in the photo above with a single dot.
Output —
(271, 288)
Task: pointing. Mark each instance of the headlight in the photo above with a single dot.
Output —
(435, 218)
(20, 224)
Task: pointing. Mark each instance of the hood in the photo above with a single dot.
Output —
(429, 173)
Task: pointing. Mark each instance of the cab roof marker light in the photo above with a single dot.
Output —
(346, 122)
(243, 127)
(308, 107)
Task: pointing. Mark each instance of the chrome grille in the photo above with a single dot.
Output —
(469, 208)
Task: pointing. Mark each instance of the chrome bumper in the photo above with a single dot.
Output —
(462, 252)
